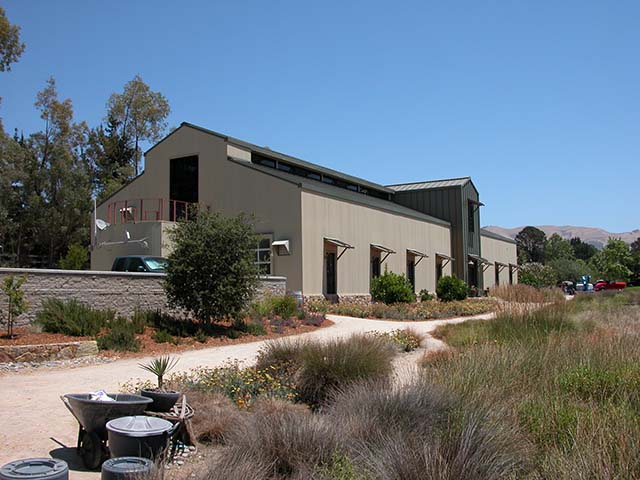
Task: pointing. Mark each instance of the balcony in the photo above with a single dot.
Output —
(147, 210)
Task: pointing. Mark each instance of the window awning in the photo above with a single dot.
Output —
(514, 266)
(281, 247)
(382, 248)
(337, 243)
(417, 253)
(480, 259)
(501, 265)
(475, 202)
(446, 257)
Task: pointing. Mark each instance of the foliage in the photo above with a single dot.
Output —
(11, 47)
(71, 317)
(451, 288)
(573, 391)
(614, 260)
(537, 275)
(140, 114)
(407, 340)
(510, 326)
(16, 304)
(521, 293)
(255, 328)
(162, 336)
(217, 416)
(214, 256)
(582, 250)
(392, 288)
(120, 336)
(140, 319)
(242, 385)
(160, 366)
(77, 258)
(530, 245)
(426, 296)
(415, 311)
(284, 306)
(572, 270)
(557, 248)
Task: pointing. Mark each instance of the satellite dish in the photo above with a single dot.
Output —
(101, 224)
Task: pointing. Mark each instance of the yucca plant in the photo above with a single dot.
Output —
(160, 367)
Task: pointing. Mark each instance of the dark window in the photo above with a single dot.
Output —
(314, 176)
(497, 269)
(411, 270)
(263, 255)
(378, 194)
(119, 264)
(510, 275)
(329, 180)
(438, 269)
(285, 167)
(330, 272)
(267, 162)
(135, 265)
(472, 219)
(183, 185)
(375, 266)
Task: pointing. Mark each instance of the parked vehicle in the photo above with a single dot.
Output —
(140, 263)
(568, 288)
(607, 285)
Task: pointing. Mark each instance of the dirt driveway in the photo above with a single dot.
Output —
(35, 423)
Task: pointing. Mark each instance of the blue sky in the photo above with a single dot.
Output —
(539, 102)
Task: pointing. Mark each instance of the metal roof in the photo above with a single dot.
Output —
(293, 160)
(342, 193)
(449, 182)
(488, 233)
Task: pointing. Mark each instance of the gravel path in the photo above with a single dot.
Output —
(35, 423)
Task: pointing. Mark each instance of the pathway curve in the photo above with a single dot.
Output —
(35, 423)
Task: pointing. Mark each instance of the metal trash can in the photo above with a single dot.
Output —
(128, 468)
(139, 436)
(35, 469)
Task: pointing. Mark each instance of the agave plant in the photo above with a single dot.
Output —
(160, 367)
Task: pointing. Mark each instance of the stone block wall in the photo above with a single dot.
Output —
(120, 291)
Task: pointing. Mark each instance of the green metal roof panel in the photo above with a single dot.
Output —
(341, 193)
(451, 182)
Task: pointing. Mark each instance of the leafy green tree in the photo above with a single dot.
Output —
(537, 275)
(212, 271)
(77, 258)
(140, 114)
(613, 261)
(530, 243)
(569, 269)
(635, 266)
(582, 250)
(111, 155)
(16, 304)
(391, 288)
(557, 247)
(10, 45)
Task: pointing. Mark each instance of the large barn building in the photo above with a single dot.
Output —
(327, 232)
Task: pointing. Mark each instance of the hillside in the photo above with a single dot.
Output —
(595, 236)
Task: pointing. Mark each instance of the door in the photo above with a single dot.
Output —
(411, 271)
(497, 269)
(330, 273)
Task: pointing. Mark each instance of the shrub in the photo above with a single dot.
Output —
(407, 340)
(242, 385)
(255, 328)
(216, 416)
(77, 258)
(521, 293)
(16, 305)
(281, 442)
(214, 256)
(337, 363)
(392, 288)
(284, 306)
(426, 296)
(140, 319)
(281, 354)
(120, 336)
(314, 319)
(72, 318)
(451, 288)
(162, 336)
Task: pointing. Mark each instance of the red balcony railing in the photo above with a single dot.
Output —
(148, 210)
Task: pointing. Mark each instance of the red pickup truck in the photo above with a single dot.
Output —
(606, 285)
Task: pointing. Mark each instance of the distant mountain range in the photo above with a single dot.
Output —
(595, 236)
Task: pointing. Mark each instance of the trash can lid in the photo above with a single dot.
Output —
(128, 465)
(139, 426)
(34, 468)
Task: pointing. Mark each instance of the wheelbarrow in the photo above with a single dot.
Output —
(93, 415)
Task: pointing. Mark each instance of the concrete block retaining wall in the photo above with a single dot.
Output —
(120, 291)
